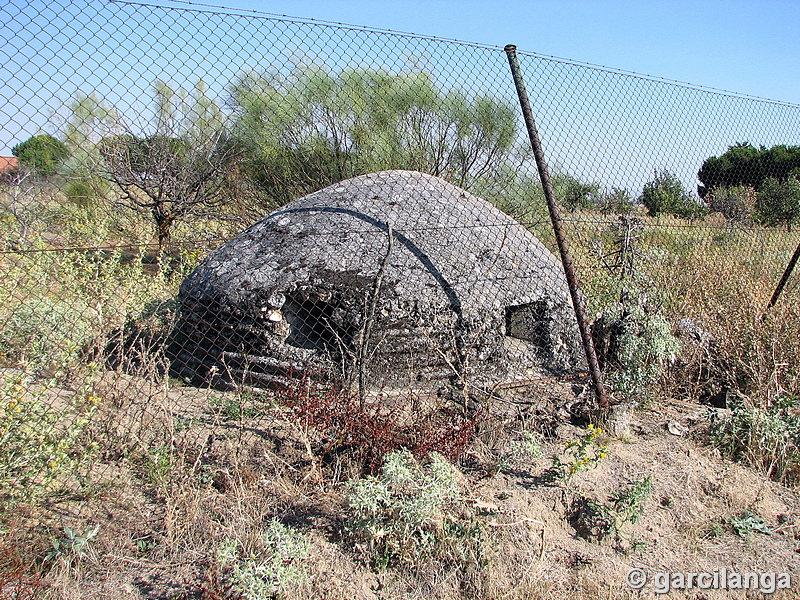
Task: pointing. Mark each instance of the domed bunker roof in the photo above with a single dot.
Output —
(397, 276)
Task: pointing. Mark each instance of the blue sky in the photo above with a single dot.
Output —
(597, 126)
(751, 47)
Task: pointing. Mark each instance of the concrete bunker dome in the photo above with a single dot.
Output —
(398, 274)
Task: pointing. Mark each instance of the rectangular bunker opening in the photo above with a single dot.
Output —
(316, 322)
(529, 322)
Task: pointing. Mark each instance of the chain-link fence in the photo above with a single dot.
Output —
(203, 210)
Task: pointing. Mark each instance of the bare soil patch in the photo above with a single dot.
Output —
(192, 468)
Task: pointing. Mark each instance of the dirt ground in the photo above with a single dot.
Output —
(156, 530)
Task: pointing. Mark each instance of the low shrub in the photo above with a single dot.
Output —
(737, 203)
(634, 344)
(665, 194)
(767, 438)
(602, 519)
(269, 569)
(37, 440)
(778, 202)
(44, 333)
(371, 428)
(408, 512)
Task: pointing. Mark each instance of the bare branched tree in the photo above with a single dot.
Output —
(28, 202)
(180, 165)
(169, 176)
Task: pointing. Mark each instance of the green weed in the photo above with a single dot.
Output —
(266, 572)
(749, 522)
(582, 454)
(237, 406)
(71, 545)
(744, 524)
(37, 440)
(158, 463)
(768, 438)
(601, 519)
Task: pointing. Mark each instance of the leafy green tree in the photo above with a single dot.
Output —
(778, 202)
(314, 127)
(575, 194)
(745, 165)
(665, 194)
(41, 153)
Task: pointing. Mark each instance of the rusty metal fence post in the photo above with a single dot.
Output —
(784, 278)
(558, 228)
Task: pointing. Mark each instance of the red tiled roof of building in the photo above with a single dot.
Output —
(8, 164)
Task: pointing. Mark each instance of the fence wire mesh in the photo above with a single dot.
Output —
(202, 212)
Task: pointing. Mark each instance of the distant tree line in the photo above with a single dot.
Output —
(278, 137)
(749, 183)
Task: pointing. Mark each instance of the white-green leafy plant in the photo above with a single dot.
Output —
(527, 446)
(401, 514)
(644, 345)
(269, 571)
(71, 545)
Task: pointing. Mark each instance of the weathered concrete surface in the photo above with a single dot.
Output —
(464, 291)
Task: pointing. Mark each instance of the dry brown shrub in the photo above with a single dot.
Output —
(754, 350)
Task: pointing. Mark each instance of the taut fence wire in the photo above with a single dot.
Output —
(200, 209)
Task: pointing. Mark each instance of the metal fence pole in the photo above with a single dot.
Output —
(786, 274)
(558, 228)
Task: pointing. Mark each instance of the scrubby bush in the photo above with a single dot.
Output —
(665, 194)
(84, 192)
(618, 201)
(268, 570)
(44, 333)
(575, 194)
(406, 512)
(65, 306)
(634, 344)
(38, 440)
(778, 202)
(767, 438)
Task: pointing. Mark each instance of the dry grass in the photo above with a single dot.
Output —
(170, 474)
(720, 276)
(161, 524)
